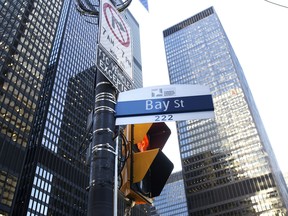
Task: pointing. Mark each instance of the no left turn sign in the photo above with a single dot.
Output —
(116, 25)
(115, 37)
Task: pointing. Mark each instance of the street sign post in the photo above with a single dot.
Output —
(164, 103)
(114, 54)
(114, 61)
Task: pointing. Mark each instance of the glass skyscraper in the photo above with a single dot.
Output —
(137, 64)
(172, 200)
(26, 62)
(228, 164)
(47, 72)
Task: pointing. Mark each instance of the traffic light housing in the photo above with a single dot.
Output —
(147, 169)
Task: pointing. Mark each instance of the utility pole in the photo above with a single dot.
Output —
(103, 148)
(100, 200)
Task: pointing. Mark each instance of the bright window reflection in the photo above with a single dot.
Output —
(41, 189)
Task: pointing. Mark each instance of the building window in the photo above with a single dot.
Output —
(7, 188)
(40, 194)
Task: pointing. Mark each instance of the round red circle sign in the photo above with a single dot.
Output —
(116, 24)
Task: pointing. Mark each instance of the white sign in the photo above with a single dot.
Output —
(164, 103)
(164, 118)
(111, 70)
(115, 37)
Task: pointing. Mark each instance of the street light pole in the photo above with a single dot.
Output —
(100, 199)
(103, 148)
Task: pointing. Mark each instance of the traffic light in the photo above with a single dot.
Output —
(147, 169)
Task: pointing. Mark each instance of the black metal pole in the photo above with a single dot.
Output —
(100, 200)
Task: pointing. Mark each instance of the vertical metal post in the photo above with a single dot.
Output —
(116, 177)
(100, 200)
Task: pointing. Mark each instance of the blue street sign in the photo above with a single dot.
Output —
(164, 103)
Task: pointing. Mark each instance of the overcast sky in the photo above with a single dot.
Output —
(258, 33)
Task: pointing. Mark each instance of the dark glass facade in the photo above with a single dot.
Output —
(25, 46)
(228, 164)
(47, 72)
(172, 200)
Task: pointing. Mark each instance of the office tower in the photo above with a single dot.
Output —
(137, 64)
(145, 4)
(25, 46)
(172, 200)
(47, 71)
(53, 177)
(228, 164)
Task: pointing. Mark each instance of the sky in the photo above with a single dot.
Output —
(258, 33)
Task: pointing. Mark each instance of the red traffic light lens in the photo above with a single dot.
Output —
(144, 144)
